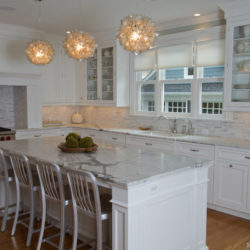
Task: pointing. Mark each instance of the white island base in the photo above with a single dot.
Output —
(168, 213)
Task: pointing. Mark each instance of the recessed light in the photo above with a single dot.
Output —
(6, 8)
(68, 32)
(197, 14)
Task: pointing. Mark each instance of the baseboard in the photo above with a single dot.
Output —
(229, 211)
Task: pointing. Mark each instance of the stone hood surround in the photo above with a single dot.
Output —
(32, 82)
(114, 163)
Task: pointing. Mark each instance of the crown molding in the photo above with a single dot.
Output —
(204, 18)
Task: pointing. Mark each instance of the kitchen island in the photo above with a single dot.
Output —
(159, 199)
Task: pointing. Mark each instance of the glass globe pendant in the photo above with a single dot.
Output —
(137, 33)
(39, 52)
(80, 45)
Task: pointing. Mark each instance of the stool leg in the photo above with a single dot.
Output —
(31, 220)
(6, 209)
(17, 208)
(62, 225)
(75, 235)
(43, 220)
(99, 234)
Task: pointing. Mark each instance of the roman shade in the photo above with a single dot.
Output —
(145, 61)
(177, 56)
(211, 53)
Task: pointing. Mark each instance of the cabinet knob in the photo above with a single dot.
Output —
(230, 165)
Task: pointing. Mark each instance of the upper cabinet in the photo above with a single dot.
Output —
(107, 77)
(237, 70)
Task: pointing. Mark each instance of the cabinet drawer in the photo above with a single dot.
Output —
(160, 144)
(197, 150)
(114, 137)
(95, 134)
(231, 154)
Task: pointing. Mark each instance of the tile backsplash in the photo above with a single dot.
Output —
(238, 127)
(7, 107)
(13, 106)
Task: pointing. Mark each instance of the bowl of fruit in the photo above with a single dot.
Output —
(75, 144)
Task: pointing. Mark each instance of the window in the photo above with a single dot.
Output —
(167, 76)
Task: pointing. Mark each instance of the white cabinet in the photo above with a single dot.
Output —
(230, 185)
(107, 77)
(44, 132)
(59, 81)
(114, 137)
(248, 193)
(204, 152)
(237, 70)
(161, 144)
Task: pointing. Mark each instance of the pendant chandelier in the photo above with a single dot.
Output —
(137, 33)
(80, 45)
(39, 52)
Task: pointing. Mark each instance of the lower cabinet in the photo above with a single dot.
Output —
(151, 143)
(231, 185)
(248, 193)
(43, 132)
(204, 152)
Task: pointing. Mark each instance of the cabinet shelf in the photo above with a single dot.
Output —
(242, 54)
(242, 38)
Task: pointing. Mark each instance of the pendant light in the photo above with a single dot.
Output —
(137, 33)
(39, 52)
(79, 44)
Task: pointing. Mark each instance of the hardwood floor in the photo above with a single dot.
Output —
(224, 232)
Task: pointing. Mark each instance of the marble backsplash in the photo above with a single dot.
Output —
(238, 127)
(13, 106)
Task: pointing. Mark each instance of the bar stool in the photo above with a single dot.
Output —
(7, 176)
(25, 180)
(52, 188)
(86, 199)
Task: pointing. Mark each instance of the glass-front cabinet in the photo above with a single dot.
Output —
(100, 76)
(237, 67)
(241, 64)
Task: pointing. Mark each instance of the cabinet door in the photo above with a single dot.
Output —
(107, 73)
(92, 80)
(230, 185)
(248, 192)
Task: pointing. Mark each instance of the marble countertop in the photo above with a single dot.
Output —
(114, 163)
(209, 140)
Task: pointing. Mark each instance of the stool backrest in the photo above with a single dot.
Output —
(21, 166)
(3, 166)
(51, 181)
(85, 192)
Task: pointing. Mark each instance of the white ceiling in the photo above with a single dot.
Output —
(57, 16)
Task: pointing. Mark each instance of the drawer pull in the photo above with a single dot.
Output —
(148, 144)
(230, 165)
(247, 157)
(114, 138)
(92, 135)
(37, 135)
(194, 150)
